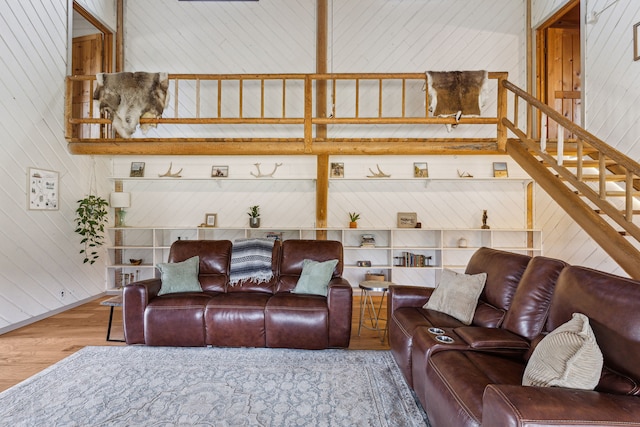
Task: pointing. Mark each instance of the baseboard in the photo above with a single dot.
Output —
(42, 316)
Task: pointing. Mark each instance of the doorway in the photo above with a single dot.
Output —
(559, 63)
(91, 53)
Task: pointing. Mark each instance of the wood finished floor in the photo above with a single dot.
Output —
(30, 349)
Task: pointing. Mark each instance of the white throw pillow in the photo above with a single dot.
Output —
(568, 357)
(457, 295)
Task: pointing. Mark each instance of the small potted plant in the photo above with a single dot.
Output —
(91, 217)
(254, 216)
(353, 217)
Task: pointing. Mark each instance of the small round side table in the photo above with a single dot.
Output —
(366, 305)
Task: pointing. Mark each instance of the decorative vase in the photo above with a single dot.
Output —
(353, 224)
(254, 222)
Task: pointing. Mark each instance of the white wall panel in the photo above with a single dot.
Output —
(39, 250)
(542, 10)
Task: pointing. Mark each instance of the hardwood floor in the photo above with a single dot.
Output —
(28, 350)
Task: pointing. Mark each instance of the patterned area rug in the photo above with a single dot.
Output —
(166, 386)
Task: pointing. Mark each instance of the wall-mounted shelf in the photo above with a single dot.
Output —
(411, 256)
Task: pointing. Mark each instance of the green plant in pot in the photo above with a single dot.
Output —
(91, 217)
(353, 218)
(254, 216)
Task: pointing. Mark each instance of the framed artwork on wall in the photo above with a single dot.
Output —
(500, 170)
(407, 219)
(43, 189)
(337, 170)
(420, 170)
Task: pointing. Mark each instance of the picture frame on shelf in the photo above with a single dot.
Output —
(220, 171)
(500, 170)
(337, 170)
(420, 170)
(407, 219)
(137, 170)
(211, 220)
(43, 190)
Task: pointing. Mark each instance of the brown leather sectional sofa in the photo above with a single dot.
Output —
(248, 314)
(476, 380)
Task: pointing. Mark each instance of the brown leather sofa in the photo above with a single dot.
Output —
(248, 314)
(476, 380)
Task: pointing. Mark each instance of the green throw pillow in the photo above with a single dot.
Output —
(315, 277)
(180, 276)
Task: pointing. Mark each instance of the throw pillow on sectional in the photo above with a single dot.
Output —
(180, 276)
(457, 295)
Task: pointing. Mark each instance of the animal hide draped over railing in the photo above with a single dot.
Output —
(126, 97)
(456, 93)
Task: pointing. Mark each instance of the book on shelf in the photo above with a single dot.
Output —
(409, 259)
(367, 241)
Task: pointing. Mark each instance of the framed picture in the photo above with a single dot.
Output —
(137, 169)
(43, 189)
(337, 170)
(220, 172)
(420, 170)
(407, 219)
(636, 40)
(211, 220)
(500, 169)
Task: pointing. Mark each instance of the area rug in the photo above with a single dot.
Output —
(166, 386)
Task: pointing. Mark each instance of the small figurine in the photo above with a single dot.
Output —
(484, 220)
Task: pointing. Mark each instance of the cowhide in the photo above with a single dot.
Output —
(125, 97)
(456, 93)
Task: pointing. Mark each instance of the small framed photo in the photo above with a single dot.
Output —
(220, 172)
(500, 169)
(211, 220)
(420, 170)
(636, 41)
(43, 190)
(137, 169)
(337, 170)
(407, 219)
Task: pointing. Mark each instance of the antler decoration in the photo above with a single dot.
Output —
(263, 175)
(378, 174)
(464, 174)
(169, 174)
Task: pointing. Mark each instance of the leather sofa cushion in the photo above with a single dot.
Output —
(294, 252)
(504, 271)
(236, 319)
(297, 321)
(215, 260)
(530, 306)
(606, 300)
(454, 384)
(176, 320)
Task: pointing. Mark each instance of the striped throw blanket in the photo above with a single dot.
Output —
(251, 261)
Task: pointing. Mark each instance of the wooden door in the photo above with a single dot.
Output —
(564, 84)
(86, 59)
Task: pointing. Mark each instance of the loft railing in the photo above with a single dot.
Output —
(584, 167)
(303, 111)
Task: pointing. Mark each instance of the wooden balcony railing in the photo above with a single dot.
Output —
(300, 113)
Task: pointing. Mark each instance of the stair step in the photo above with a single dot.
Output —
(615, 193)
(633, 212)
(595, 178)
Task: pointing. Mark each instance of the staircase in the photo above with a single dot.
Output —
(593, 182)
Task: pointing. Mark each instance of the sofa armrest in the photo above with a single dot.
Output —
(339, 305)
(135, 298)
(407, 296)
(512, 405)
(481, 338)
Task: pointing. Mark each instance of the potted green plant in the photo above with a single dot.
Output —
(254, 216)
(91, 217)
(353, 217)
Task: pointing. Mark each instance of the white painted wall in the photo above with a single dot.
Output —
(39, 249)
